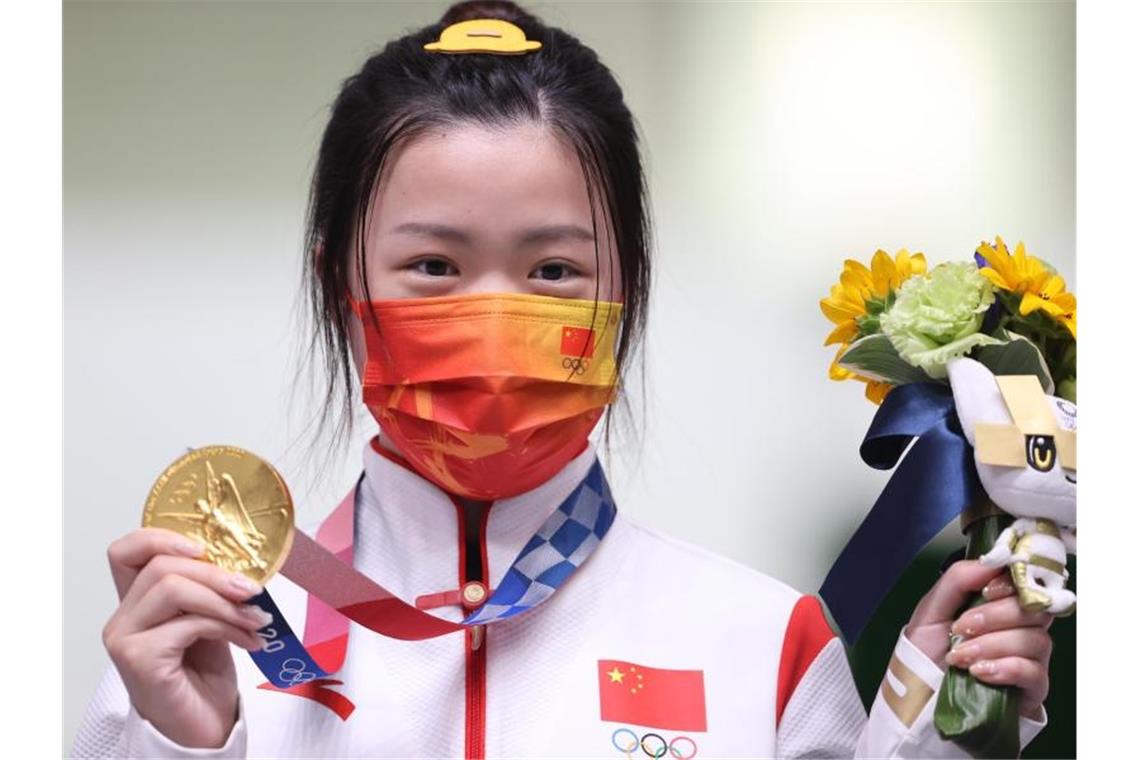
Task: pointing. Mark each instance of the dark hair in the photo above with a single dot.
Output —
(404, 90)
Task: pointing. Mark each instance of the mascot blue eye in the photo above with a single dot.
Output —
(1040, 452)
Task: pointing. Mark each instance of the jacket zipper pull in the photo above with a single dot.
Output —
(476, 637)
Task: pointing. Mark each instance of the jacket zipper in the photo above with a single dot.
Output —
(476, 695)
(473, 567)
(473, 542)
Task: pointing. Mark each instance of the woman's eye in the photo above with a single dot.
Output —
(553, 271)
(434, 267)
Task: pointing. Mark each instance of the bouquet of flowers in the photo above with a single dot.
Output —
(897, 323)
(975, 363)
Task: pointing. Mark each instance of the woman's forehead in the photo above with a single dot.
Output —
(501, 179)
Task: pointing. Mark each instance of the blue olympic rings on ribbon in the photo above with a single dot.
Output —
(672, 747)
(284, 659)
(931, 486)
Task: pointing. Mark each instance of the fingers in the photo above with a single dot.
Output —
(996, 615)
(1031, 676)
(180, 633)
(999, 587)
(129, 554)
(175, 595)
(233, 586)
(173, 637)
(960, 580)
(1007, 646)
(1029, 643)
(169, 587)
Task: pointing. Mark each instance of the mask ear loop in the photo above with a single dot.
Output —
(361, 309)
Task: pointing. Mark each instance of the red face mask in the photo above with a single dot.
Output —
(488, 395)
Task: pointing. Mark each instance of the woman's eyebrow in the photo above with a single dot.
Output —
(556, 232)
(429, 229)
(544, 234)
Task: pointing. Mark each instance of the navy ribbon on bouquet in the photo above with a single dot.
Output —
(932, 485)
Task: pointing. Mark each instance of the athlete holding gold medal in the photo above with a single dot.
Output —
(478, 251)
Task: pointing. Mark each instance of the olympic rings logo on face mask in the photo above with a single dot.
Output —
(576, 364)
(293, 671)
(654, 745)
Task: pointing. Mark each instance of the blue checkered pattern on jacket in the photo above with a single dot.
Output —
(560, 546)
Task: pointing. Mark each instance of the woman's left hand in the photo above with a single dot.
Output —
(1003, 645)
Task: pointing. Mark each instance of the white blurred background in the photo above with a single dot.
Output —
(779, 139)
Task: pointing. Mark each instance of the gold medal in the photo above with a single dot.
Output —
(231, 501)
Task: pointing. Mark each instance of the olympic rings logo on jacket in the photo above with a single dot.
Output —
(654, 745)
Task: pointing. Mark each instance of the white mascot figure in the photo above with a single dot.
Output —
(1025, 451)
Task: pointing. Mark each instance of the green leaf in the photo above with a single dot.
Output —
(1068, 360)
(876, 358)
(1018, 356)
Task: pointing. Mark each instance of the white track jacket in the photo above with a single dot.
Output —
(764, 675)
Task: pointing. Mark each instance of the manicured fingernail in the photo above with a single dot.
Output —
(244, 585)
(968, 624)
(997, 587)
(963, 654)
(189, 547)
(257, 615)
(984, 667)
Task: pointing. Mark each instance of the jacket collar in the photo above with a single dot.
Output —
(408, 530)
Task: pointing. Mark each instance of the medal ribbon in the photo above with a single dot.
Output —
(339, 593)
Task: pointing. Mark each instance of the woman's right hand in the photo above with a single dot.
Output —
(169, 636)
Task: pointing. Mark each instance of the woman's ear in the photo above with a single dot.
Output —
(977, 396)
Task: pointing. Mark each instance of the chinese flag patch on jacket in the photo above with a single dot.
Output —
(654, 697)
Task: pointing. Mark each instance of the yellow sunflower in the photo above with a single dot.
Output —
(863, 292)
(1040, 288)
(856, 302)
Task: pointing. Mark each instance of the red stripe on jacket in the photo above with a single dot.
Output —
(807, 633)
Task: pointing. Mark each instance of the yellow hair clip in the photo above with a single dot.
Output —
(483, 35)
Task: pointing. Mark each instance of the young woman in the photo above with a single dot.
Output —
(479, 270)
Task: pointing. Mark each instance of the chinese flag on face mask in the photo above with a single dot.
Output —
(577, 341)
(653, 697)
